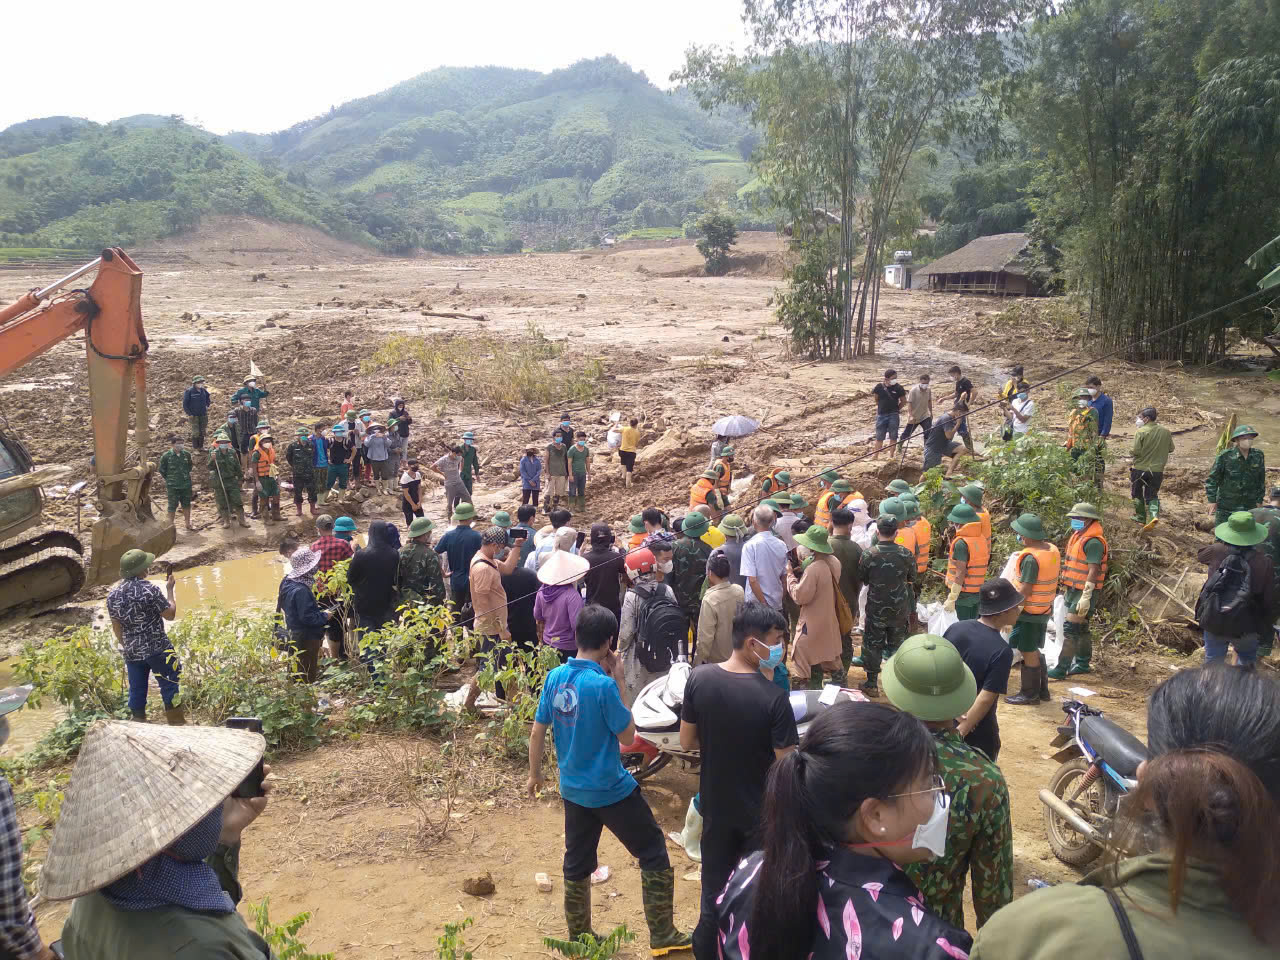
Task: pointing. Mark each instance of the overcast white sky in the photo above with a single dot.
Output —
(265, 65)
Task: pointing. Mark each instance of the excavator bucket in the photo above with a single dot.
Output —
(119, 531)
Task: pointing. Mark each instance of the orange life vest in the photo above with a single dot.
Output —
(1075, 569)
(975, 573)
(698, 492)
(1049, 563)
(923, 530)
(266, 460)
(1077, 428)
(907, 538)
(822, 513)
(725, 469)
(774, 485)
(985, 519)
(635, 541)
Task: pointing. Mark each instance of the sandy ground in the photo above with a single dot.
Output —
(680, 350)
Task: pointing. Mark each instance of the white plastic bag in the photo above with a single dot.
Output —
(1053, 632)
(862, 608)
(938, 619)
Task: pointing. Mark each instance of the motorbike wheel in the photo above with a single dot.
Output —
(641, 767)
(1069, 846)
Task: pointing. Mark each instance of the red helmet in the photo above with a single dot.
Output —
(641, 561)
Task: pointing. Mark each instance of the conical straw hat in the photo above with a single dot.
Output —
(135, 789)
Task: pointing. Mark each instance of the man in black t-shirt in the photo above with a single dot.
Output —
(521, 586)
(890, 399)
(938, 440)
(964, 394)
(741, 722)
(990, 658)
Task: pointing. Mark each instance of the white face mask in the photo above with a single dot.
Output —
(251, 384)
(1082, 403)
(932, 834)
(1093, 392)
(1244, 443)
(666, 567)
(1140, 422)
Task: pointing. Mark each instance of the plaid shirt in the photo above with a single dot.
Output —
(18, 935)
(332, 550)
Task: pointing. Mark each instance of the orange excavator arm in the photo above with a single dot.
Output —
(110, 314)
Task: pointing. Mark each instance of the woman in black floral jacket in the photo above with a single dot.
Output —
(858, 799)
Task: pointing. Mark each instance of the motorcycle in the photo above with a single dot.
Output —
(657, 717)
(1099, 767)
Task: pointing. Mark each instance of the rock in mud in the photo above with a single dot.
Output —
(480, 886)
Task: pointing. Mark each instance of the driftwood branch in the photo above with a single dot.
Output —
(455, 316)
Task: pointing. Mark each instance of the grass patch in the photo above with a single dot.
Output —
(41, 253)
(529, 372)
(654, 233)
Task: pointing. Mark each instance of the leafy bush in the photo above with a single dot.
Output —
(809, 306)
(589, 947)
(282, 938)
(81, 669)
(450, 945)
(719, 233)
(522, 674)
(412, 655)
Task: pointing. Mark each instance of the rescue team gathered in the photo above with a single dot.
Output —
(854, 839)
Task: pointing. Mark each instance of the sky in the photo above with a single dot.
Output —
(266, 65)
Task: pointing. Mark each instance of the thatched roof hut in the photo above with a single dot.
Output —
(994, 264)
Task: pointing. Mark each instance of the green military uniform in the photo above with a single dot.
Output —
(300, 455)
(1236, 482)
(850, 556)
(889, 571)
(421, 576)
(470, 464)
(175, 467)
(1270, 518)
(224, 481)
(253, 394)
(1152, 447)
(979, 836)
(689, 567)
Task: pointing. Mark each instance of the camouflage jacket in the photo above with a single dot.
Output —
(688, 571)
(176, 469)
(889, 572)
(300, 455)
(1237, 483)
(225, 465)
(421, 576)
(979, 836)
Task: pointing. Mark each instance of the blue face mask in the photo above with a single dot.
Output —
(469, 442)
(1077, 524)
(1022, 396)
(774, 658)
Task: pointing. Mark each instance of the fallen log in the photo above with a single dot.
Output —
(454, 316)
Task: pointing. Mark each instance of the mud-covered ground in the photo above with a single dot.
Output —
(679, 351)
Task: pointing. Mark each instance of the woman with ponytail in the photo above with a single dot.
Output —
(1208, 800)
(859, 798)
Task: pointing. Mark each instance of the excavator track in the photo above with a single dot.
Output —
(46, 541)
(43, 585)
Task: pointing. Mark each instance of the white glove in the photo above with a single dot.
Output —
(950, 605)
(1083, 604)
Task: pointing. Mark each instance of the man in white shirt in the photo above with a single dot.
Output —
(1021, 408)
(764, 561)
(919, 408)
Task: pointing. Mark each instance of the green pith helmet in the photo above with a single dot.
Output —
(1240, 530)
(893, 507)
(899, 486)
(1084, 511)
(773, 505)
(302, 432)
(911, 504)
(637, 524)
(842, 486)
(961, 514)
(815, 538)
(464, 511)
(1030, 526)
(972, 494)
(828, 476)
(798, 502)
(1083, 394)
(501, 519)
(727, 451)
(732, 525)
(694, 525)
(928, 679)
(708, 475)
(1243, 431)
(420, 526)
(135, 562)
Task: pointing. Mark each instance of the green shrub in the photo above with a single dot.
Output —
(588, 947)
(411, 656)
(81, 669)
(450, 945)
(522, 674)
(282, 938)
(719, 233)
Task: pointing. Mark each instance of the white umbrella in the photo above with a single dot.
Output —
(735, 426)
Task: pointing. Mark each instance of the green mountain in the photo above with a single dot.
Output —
(453, 159)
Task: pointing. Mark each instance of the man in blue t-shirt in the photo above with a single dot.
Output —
(584, 703)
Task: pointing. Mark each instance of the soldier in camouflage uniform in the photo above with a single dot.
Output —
(931, 682)
(1238, 479)
(689, 565)
(1269, 517)
(224, 480)
(300, 455)
(421, 576)
(889, 571)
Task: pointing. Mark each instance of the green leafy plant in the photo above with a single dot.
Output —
(588, 947)
(411, 656)
(719, 233)
(81, 669)
(450, 945)
(282, 938)
(522, 674)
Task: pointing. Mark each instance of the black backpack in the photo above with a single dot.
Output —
(662, 629)
(1225, 606)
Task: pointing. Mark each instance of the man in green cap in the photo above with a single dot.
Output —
(195, 404)
(928, 679)
(889, 571)
(421, 574)
(1269, 516)
(300, 455)
(849, 556)
(689, 565)
(1238, 478)
(263, 468)
(775, 482)
(1038, 566)
(251, 392)
(137, 609)
(175, 468)
(224, 480)
(470, 462)
(1237, 601)
(723, 468)
(971, 493)
(1084, 570)
(735, 532)
(1152, 445)
(922, 530)
(967, 564)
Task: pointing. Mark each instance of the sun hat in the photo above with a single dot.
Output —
(1243, 431)
(962, 513)
(1030, 526)
(727, 451)
(464, 511)
(135, 789)
(637, 524)
(562, 567)
(815, 538)
(420, 526)
(973, 493)
(135, 562)
(302, 561)
(899, 486)
(344, 525)
(996, 596)
(694, 525)
(501, 519)
(1241, 530)
(1085, 510)
(928, 679)
(842, 486)
(797, 502)
(732, 525)
(494, 535)
(708, 475)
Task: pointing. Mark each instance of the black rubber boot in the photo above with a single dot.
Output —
(1028, 690)
(1043, 674)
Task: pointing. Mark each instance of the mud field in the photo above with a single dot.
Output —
(679, 350)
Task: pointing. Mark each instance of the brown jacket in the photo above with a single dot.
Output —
(488, 599)
(817, 639)
(720, 605)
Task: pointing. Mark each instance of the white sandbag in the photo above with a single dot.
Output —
(938, 619)
(1054, 631)
(1010, 571)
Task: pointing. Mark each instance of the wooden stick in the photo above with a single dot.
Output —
(1165, 590)
(1165, 606)
(454, 316)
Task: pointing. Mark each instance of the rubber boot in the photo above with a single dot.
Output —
(1139, 510)
(275, 510)
(1153, 511)
(1043, 671)
(815, 679)
(1069, 638)
(139, 716)
(657, 889)
(1029, 689)
(186, 515)
(577, 908)
(224, 520)
(690, 838)
(1084, 653)
(175, 716)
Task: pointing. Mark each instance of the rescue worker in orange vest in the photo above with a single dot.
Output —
(262, 463)
(898, 487)
(1082, 434)
(839, 494)
(705, 490)
(637, 531)
(967, 565)
(723, 469)
(906, 536)
(922, 528)
(845, 496)
(971, 494)
(776, 482)
(1084, 570)
(1038, 566)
